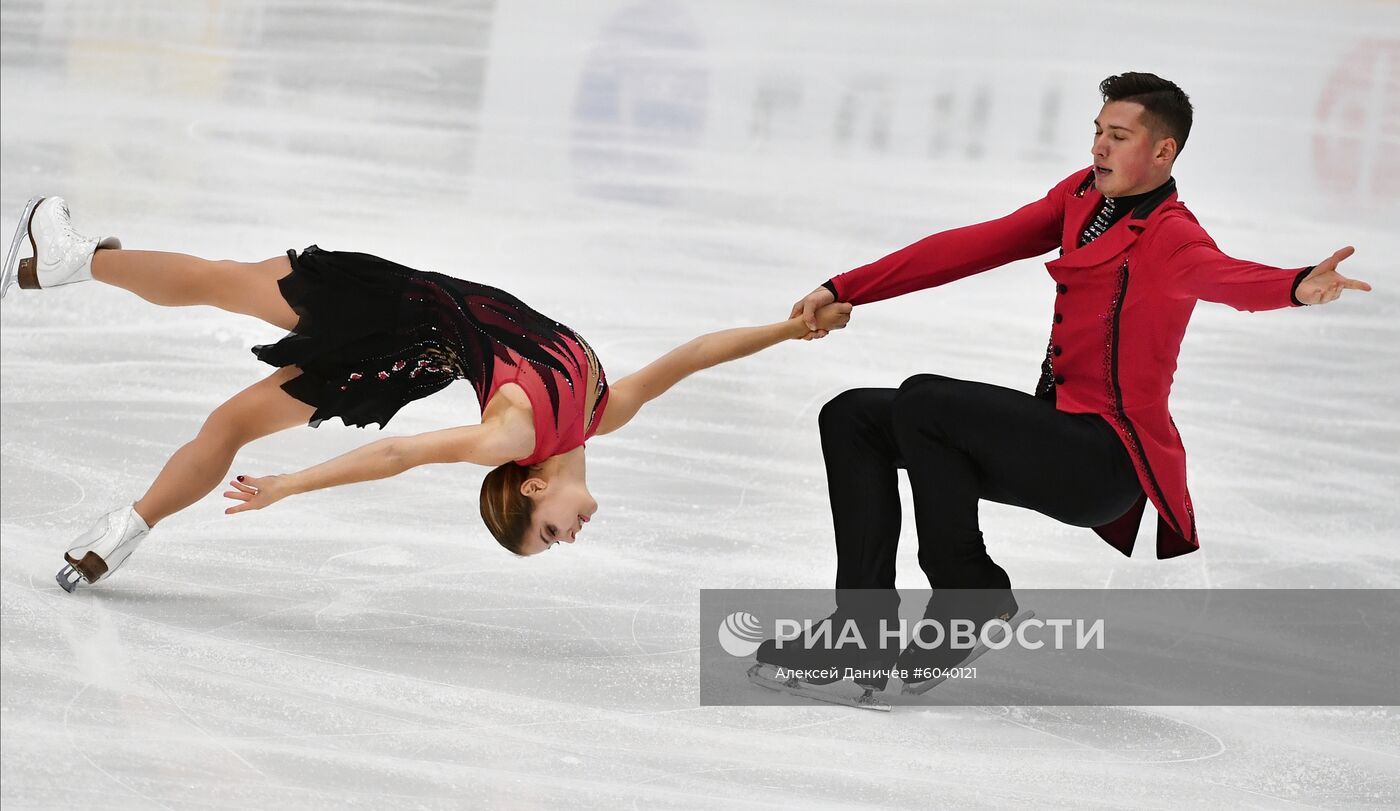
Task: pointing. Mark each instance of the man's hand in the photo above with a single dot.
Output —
(1325, 284)
(257, 492)
(833, 316)
(807, 308)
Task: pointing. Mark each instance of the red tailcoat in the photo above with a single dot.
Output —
(1121, 308)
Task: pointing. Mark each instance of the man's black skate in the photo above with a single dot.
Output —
(820, 678)
(815, 666)
(927, 664)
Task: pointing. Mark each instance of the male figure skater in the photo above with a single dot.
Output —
(1096, 441)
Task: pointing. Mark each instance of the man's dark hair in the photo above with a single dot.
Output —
(1166, 107)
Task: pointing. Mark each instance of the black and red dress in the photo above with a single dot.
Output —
(374, 335)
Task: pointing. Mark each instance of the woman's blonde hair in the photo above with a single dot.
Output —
(505, 510)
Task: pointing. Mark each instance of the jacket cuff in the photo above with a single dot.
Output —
(1297, 280)
(830, 284)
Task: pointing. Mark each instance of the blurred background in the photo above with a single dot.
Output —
(646, 172)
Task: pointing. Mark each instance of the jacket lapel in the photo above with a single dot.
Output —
(1115, 240)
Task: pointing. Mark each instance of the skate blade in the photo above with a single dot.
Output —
(68, 578)
(765, 676)
(918, 688)
(10, 271)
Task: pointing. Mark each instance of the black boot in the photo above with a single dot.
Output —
(859, 621)
(931, 652)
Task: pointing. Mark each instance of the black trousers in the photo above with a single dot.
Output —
(960, 442)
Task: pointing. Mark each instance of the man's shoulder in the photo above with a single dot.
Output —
(1175, 217)
(1174, 225)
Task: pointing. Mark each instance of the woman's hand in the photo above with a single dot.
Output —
(257, 492)
(833, 316)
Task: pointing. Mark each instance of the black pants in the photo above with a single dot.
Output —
(960, 442)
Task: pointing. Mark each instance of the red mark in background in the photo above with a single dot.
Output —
(1356, 151)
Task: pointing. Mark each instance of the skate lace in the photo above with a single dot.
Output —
(68, 229)
(70, 242)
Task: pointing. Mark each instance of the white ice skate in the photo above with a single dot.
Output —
(58, 254)
(103, 548)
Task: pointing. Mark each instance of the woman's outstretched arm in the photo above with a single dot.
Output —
(628, 395)
(485, 444)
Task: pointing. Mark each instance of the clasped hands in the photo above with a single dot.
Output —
(821, 313)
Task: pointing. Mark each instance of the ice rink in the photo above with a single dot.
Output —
(644, 172)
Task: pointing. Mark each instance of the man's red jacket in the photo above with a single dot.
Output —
(1121, 308)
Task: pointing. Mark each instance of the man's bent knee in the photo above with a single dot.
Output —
(850, 406)
(933, 403)
(921, 395)
(926, 383)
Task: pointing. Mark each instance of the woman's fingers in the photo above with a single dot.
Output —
(245, 483)
(249, 491)
(247, 503)
(242, 489)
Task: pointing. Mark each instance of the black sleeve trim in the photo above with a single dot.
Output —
(830, 285)
(1297, 280)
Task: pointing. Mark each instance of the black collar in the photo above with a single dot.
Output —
(1144, 204)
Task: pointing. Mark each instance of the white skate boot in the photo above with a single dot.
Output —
(60, 255)
(103, 548)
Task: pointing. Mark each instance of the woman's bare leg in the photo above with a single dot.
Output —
(178, 280)
(201, 465)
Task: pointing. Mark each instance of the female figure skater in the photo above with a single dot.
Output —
(365, 337)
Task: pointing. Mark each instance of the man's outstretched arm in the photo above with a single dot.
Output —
(948, 256)
(1196, 268)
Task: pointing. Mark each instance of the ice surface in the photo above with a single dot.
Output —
(647, 171)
